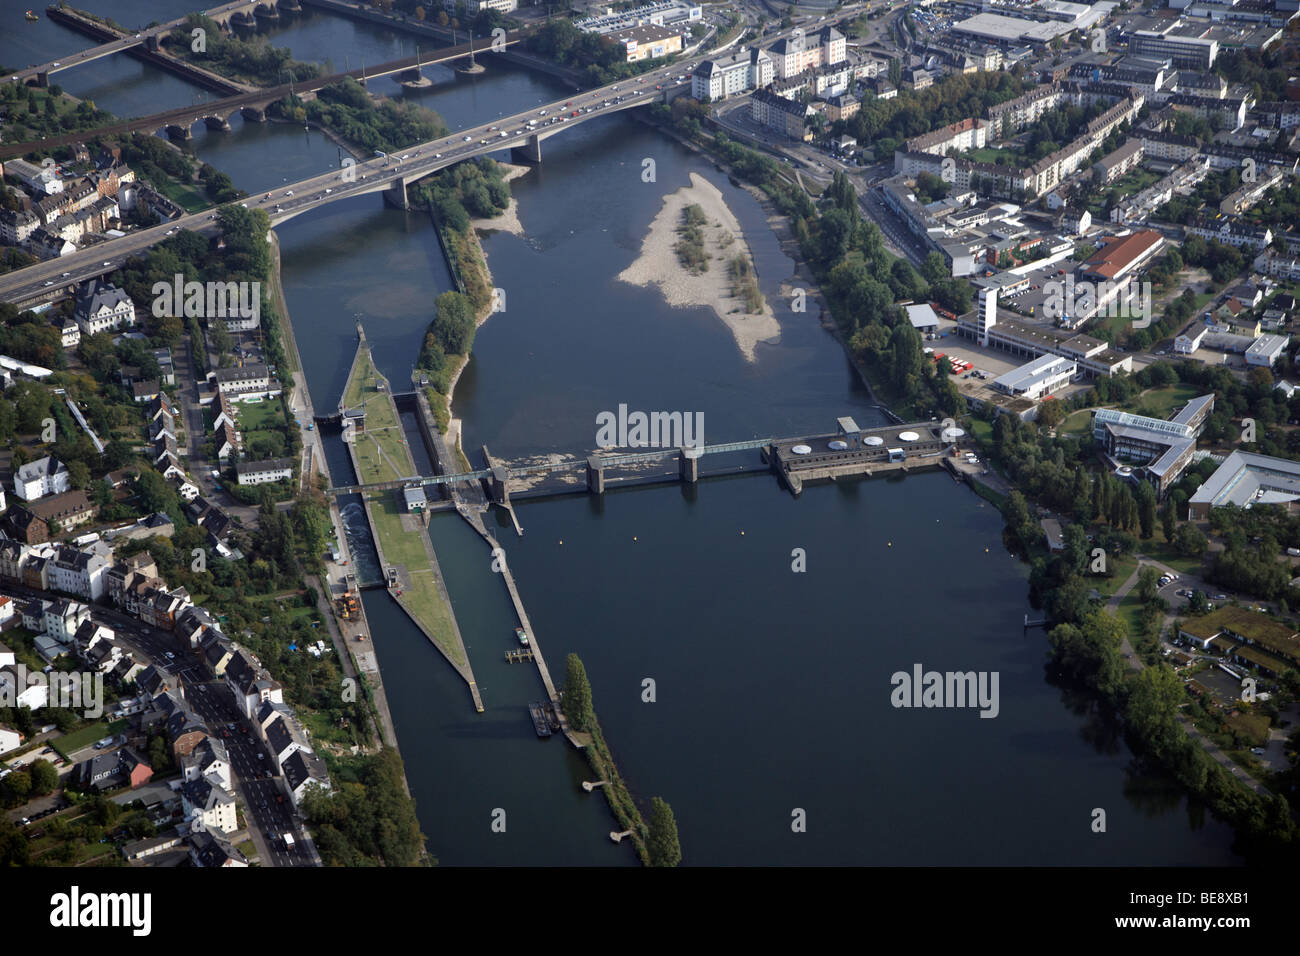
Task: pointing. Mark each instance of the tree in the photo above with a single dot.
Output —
(44, 777)
(1147, 583)
(661, 843)
(576, 699)
(1146, 502)
(453, 323)
(78, 474)
(1169, 520)
(1155, 694)
(1190, 540)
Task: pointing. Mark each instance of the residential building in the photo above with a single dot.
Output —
(83, 573)
(716, 79)
(208, 806)
(63, 617)
(101, 307)
(784, 115)
(303, 771)
(71, 509)
(45, 476)
(243, 380)
(264, 472)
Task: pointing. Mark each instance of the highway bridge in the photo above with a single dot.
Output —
(522, 133)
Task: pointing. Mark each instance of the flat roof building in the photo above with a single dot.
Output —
(1042, 376)
(1246, 479)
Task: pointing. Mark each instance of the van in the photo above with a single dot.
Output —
(288, 841)
(1294, 552)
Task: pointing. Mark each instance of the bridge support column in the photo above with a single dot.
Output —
(253, 113)
(179, 132)
(500, 496)
(530, 152)
(595, 476)
(42, 80)
(151, 43)
(689, 464)
(395, 195)
(217, 122)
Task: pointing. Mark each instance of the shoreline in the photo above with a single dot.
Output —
(724, 240)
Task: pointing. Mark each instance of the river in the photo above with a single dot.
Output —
(771, 686)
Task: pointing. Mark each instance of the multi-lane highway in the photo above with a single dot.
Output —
(48, 279)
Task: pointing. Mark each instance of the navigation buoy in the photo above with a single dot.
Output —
(986, 550)
(561, 541)
(891, 544)
(742, 532)
(633, 537)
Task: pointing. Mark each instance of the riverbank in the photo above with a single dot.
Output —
(345, 634)
(722, 241)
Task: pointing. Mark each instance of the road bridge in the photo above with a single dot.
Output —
(522, 133)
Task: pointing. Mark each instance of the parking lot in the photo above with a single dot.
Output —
(990, 361)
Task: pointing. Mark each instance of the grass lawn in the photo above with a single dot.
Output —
(1130, 612)
(1076, 423)
(381, 450)
(422, 599)
(185, 195)
(69, 744)
(1161, 402)
(1120, 567)
(991, 154)
(267, 414)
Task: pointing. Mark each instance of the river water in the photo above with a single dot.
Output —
(771, 687)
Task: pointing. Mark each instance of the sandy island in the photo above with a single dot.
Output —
(508, 221)
(724, 240)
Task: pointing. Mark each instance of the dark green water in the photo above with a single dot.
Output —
(772, 687)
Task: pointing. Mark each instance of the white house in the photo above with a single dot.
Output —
(208, 807)
(264, 472)
(15, 691)
(45, 476)
(79, 572)
(102, 307)
(62, 618)
(9, 740)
